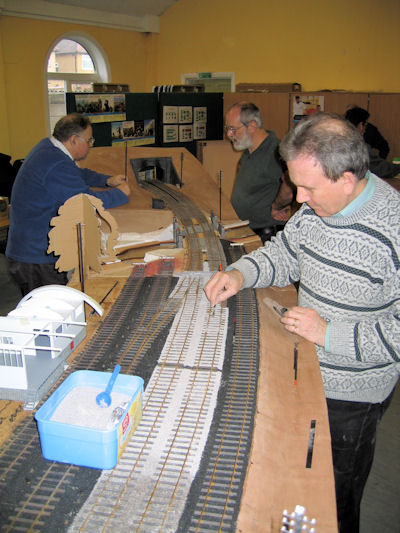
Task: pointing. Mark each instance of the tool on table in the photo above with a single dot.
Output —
(105, 296)
(104, 398)
(295, 358)
(280, 310)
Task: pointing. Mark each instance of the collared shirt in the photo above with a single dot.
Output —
(360, 200)
(60, 145)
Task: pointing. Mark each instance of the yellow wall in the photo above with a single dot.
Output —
(4, 142)
(24, 45)
(322, 44)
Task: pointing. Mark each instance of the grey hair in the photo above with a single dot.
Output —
(248, 112)
(332, 141)
(72, 124)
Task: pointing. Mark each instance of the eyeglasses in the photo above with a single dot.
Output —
(90, 141)
(232, 129)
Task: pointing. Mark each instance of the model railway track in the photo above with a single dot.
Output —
(200, 237)
(197, 457)
(153, 487)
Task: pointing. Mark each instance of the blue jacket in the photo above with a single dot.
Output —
(47, 178)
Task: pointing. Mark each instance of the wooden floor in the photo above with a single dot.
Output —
(380, 508)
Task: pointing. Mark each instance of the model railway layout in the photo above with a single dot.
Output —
(201, 241)
(184, 468)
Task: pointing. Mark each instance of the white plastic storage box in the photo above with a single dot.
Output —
(87, 446)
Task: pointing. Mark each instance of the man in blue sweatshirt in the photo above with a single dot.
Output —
(48, 177)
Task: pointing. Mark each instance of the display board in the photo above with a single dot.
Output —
(190, 117)
(118, 119)
(151, 119)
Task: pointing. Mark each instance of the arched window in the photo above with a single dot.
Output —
(74, 63)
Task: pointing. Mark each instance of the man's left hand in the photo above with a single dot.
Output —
(114, 181)
(306, 323)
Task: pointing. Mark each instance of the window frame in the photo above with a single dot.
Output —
(102, 72)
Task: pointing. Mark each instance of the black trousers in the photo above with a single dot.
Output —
(353, 428)
(29, 276)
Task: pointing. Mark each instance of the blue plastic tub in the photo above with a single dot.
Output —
(84, 446)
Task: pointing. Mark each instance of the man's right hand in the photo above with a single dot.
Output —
(223, 285)
(124, 187)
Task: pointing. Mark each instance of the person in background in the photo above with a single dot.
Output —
(299, 108)
(372, 135)
(47, 178)
(381, 167)
(343, 247)
(260, 193)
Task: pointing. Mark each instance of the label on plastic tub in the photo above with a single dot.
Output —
(129, 423)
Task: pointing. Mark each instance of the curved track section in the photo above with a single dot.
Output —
(184, 468)
(200, 237)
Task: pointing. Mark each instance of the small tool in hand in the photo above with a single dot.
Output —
(295, 362)
(280, 310)
(104, 398)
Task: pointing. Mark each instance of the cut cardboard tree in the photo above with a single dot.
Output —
(82, 222)
(97, 246)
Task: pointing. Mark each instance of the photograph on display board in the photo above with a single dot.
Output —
(199, 130)
(199, 123)
(133, 132)
(303, 105)
(101, 107)
(185, 114)
(170, 134)
(200, 114)
(186, 133)
(170, 114)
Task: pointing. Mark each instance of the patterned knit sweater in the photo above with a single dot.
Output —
(349, 272)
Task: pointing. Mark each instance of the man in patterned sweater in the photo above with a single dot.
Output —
(343, 247)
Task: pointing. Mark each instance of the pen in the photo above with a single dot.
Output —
(295, 357)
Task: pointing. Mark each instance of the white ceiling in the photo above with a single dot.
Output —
(137, 8)
(138, 15)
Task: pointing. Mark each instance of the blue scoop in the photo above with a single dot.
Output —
(104, 398)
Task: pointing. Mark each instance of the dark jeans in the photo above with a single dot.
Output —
(353, 428)
(29, 276)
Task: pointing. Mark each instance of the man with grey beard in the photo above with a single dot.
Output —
(260, 193)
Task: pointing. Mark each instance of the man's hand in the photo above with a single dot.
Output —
(280, 214)
(305, 322)
(124, 187)
(223, 285)
(114, 181)
(280, 209)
